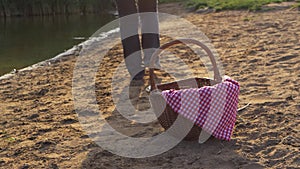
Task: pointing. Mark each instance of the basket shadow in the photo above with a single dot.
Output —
(212, 154)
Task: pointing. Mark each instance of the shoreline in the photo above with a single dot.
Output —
(69, 52)
(74, 51)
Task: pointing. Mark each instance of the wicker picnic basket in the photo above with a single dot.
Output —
(168, 116)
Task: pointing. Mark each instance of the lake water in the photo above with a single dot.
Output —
(28, 40)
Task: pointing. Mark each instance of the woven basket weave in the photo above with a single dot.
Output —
(169, 116)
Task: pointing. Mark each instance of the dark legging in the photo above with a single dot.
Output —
(132, 45)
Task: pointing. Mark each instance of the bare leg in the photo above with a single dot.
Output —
(131, 45)
(150, 28)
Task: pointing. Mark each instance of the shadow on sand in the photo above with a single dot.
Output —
(212, 154)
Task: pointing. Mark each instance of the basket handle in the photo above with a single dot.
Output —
(217, 76)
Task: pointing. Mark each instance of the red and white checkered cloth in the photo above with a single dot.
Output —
(213, 108)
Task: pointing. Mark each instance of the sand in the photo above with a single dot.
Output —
(39, 127)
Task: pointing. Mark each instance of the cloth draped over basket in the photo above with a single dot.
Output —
(210, 104)
(213, 108)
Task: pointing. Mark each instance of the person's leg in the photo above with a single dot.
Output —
(150, 29)
(131, 45)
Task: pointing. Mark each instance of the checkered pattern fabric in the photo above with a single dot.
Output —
(213, 108)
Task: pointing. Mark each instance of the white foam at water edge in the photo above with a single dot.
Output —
(69, 52)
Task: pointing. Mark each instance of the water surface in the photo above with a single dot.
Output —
(28, 40)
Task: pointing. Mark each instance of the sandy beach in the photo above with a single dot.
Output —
(39, 127)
